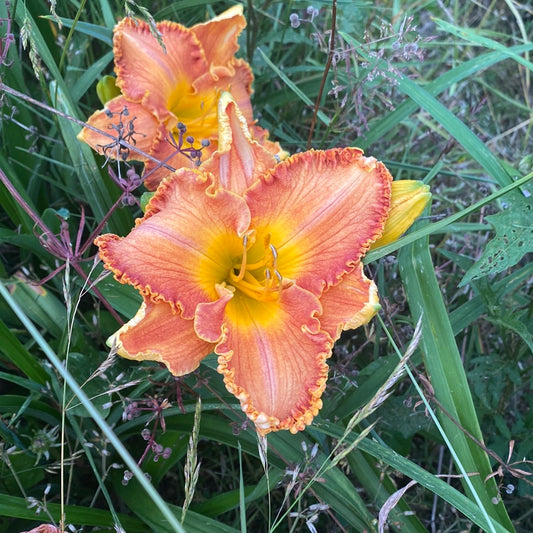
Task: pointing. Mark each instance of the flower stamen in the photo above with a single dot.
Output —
(242, 269)
(245, 278)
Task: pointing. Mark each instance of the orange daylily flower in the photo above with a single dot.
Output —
(166, 86)
(258, 261)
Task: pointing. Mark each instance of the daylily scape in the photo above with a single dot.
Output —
(259, 261)
(164, 85)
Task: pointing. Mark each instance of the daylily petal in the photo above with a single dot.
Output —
(322, 210)
(237, 80)
(146, 72)
(167, 255)
(199, 113)
(272, 356)
(158, 333)
(261, 135)
(138, 127)
(349, 304)
(239, 160)
(219, 35)
(165, 153)
(409, 199)
(210, 316)
(261, 261)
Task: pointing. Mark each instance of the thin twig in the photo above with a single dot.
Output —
(122, 143)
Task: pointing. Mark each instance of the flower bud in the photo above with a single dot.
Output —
(106, 89)
(409, 199)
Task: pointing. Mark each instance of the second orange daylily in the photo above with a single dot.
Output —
(164, 86)
(257, 261)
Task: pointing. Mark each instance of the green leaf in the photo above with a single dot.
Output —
(293, 87)
(412, 470)
(8, 202)
(226, 501)
(124, 298)
(18, 508)
(41, 305)
(11, 404)
(514, 239)
(480, 304)
(449, 121)
(444, 81)
(97, 190)
(518, 323)
(132, 494)
(23, 471)
(92, 30)
(448, 379)
(90, 75)
(17, 354)
(104, 427)
(475, 38)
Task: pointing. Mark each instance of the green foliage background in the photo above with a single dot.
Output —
(438, 91)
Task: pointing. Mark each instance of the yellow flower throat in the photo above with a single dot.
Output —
(257, 279)
(198, 111)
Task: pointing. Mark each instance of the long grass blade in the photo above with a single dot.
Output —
(96, 416)
(293, 87)
(444, 366)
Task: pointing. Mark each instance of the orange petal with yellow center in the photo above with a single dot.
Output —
(239, 160)
(219, 35)
(322, 210)
(137, 125)
(198, 111)
(272, 355)
(349, 304)
(158, 333)
(152, 74)
(176, 251)
(237, 80)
